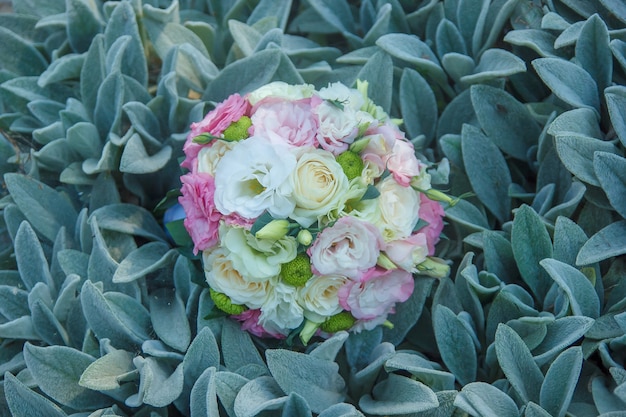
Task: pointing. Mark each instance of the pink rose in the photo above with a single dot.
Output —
(283, 121)
(250, 322)
(349, 248)
(402, 162)
(202, 218)
(214, 123)
(409, 252)
(376, 293)
(431, 212)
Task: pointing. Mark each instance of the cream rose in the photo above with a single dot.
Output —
(282, 90)
(319, 185)
(396, 210)
(223, 277)
(319, 297)
(209, 157)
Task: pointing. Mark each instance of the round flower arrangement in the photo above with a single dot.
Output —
(310, 209)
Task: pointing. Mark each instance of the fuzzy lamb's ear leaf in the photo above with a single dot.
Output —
(582, 297)
(577, 153)
(593, 51)
(487, 171)
(144, 260)
(616, 104)
(482, 399)
(610, 170)
(399, 395)
(517, 364)
(20, 56)
(24, 402)
(607, 243)
(57, 370)
(560, 381)
(495, 63)
(569, 82)
(103, 374)
(30, 258)
(379, 72)
(455, 344)
(130, 219)
(45, 209)
(83, 23)
(203, 399)
(237, 347)
(317, 380)
(262, 393)
(409, 312)
(341, 410)
(560, 334)
(296, 406)
(202, 354)
(418, 104)
(159, 384)
(449, 39)
(169, 319)
(506, 121)
(531, 243)
(336, 13)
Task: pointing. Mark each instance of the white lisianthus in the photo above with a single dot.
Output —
(348, 97)
(319, 297)
(337, 127)
(281, 312)
(257, 259)
(395, 211)
(209, 157)
(281, 89)
(223, 277)
(319, 184)
(254, 177)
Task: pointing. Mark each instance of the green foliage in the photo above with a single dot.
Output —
(521, 102)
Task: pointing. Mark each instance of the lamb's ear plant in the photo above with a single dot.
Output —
(519, 106)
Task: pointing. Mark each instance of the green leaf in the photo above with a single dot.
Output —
(560, 381)
(13, 302)
(455, 344)
(318, 381)
(129, 219)
(560, 334)
(398, 395)
(616, 104)
(30, 258)
(165, 36)
(610, 169)
(160, 385)
(336, 13)
(262, 393)
(449, 39)
(569, 82)
(593, 52)
(379, 72)
(418, 105)
(93, 73)
(47, 326)
(83, 23)
(568, 239)
(470, 17)
(115, 316)
(577, 154)
(607, 243)
(203, 353)
(19, 55)
(409, 312)
(67, 67)
(57, 370)
(104, 373)
(482, 399)
(517, 364)
(203, 398)
(46, 210)
(487, 171)
(495, 63)
(169, 319)
(237, 347)
(421, 369)
(144, 260)
(583, 299)
(540, 41)
(24, 402)
(531, 243)
(506, 121)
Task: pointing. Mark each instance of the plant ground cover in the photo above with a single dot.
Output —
(518, 105)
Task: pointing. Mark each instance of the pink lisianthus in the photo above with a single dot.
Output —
(337, 128)
(284, 121)
(376, 293)
(250, 322)
(202, 218)
(409, 252)
(214, 123)
(402, 163)
(431, 212)
(349, 248)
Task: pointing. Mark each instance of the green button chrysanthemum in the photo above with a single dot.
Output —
(224, 303)
(340, 321)
(238, 130)
(297, 271)
(351, 163)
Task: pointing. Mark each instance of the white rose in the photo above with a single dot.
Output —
(281, 313)
(319, 297)
(223, 277)
(257, 260)
(282, 90)
(319, 185)
(209, 157)
(395, 211)
(254, 177)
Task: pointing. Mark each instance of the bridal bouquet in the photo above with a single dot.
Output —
(309, 208)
